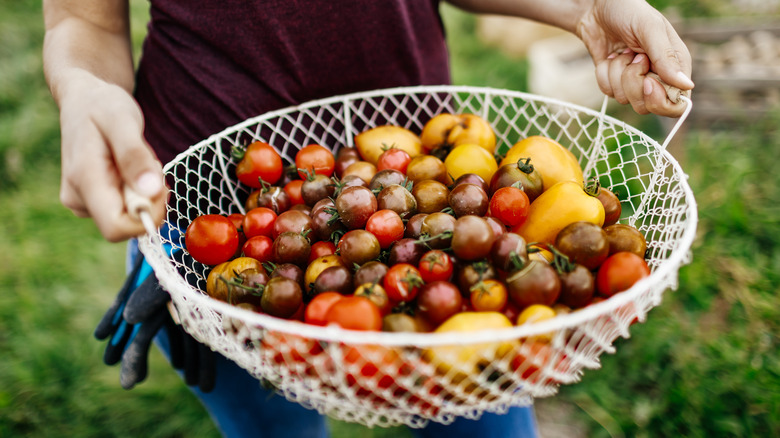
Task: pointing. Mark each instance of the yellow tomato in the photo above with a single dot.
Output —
(320, 264)
(554, 162)
(471, 158)
(450, 130)
(216, 286)
(537, 313)
(560, 205)
(466, 359)
(373, 142)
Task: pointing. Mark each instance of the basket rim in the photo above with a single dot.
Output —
(337, 334)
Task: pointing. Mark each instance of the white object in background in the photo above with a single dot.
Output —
(560, 67)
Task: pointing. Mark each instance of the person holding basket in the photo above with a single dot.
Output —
(208, 65)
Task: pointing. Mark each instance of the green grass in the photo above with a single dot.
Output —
(706, 362)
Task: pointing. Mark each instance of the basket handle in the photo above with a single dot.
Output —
(678, 97)
(673, 93)
(139, 208)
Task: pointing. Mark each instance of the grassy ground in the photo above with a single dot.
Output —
(706, 363)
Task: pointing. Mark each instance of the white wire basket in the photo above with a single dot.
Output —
(387, 379)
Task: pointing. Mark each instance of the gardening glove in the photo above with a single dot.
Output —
(139, 311)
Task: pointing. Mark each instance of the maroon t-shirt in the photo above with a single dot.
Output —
(208, 65)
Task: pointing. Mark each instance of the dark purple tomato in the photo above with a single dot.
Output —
(355, 205)
(439, 300)
(358, 246)
(577, 287)
(293, 221)
(281, 297)
(291, 247)
(315, 188)
(414, 225)
(536, 283)
(336, 279)
(468, 199)
(397, 198)
(370, 272)
(471, 178)
(406, 250)
(509, 252)
(472, 238)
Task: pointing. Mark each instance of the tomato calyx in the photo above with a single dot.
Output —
(405, 307)
(525, 166)
(425, 238)
(234, 282)
(238, 152)
(561, 262)
(593, 188)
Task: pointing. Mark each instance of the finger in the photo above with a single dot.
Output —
(657, 102)
(602, 77)
(616, 68)
(633, 82)
(138, 167)
(100, 190)
(668, 54)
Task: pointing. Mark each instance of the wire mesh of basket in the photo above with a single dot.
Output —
(386, 379)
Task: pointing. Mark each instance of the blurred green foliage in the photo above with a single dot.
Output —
(705, 363)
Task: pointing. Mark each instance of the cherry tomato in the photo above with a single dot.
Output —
(612, 206)
(436, 265)
(259, 161)
(292, 220)
(211, 239)
(355, 313)
(488, 296)
(510, 205)
(293, 190)
(394, 158)
(281, 297)
(438, 301)
(472, 237)
(619, 272)
(259, 222)
(259, 248)
(315, 159)
(584, 243)
(402, 282)
(376, 293)
(387, 226)
(320, 249)
(318, 307)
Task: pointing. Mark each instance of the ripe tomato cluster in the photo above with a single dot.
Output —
(428, 232)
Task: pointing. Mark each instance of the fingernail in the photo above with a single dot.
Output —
(647, 86)
(685, 79)
(638, 58)
(148, 184)
(612, 55)
(627, 50)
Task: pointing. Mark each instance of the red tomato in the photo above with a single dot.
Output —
(259, 248)
(436, 265)
(211, 239)
(438, 301)
(509, 205)
(259, 161)
(394, 158)
(619, 272)
(318, 307)
(387, 226)
(355, 313)
(321, 248)
(259, 222)
(293, 190)
(402, 282)
(238, 220)
(315, 159)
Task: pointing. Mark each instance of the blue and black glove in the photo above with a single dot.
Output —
(138, 313)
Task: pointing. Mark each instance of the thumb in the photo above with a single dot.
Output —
(669, 57)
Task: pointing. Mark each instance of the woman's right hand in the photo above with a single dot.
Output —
(103, 150)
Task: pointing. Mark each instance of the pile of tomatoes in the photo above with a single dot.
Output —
(428, 232)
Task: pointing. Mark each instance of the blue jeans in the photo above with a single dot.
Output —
(241, 407)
